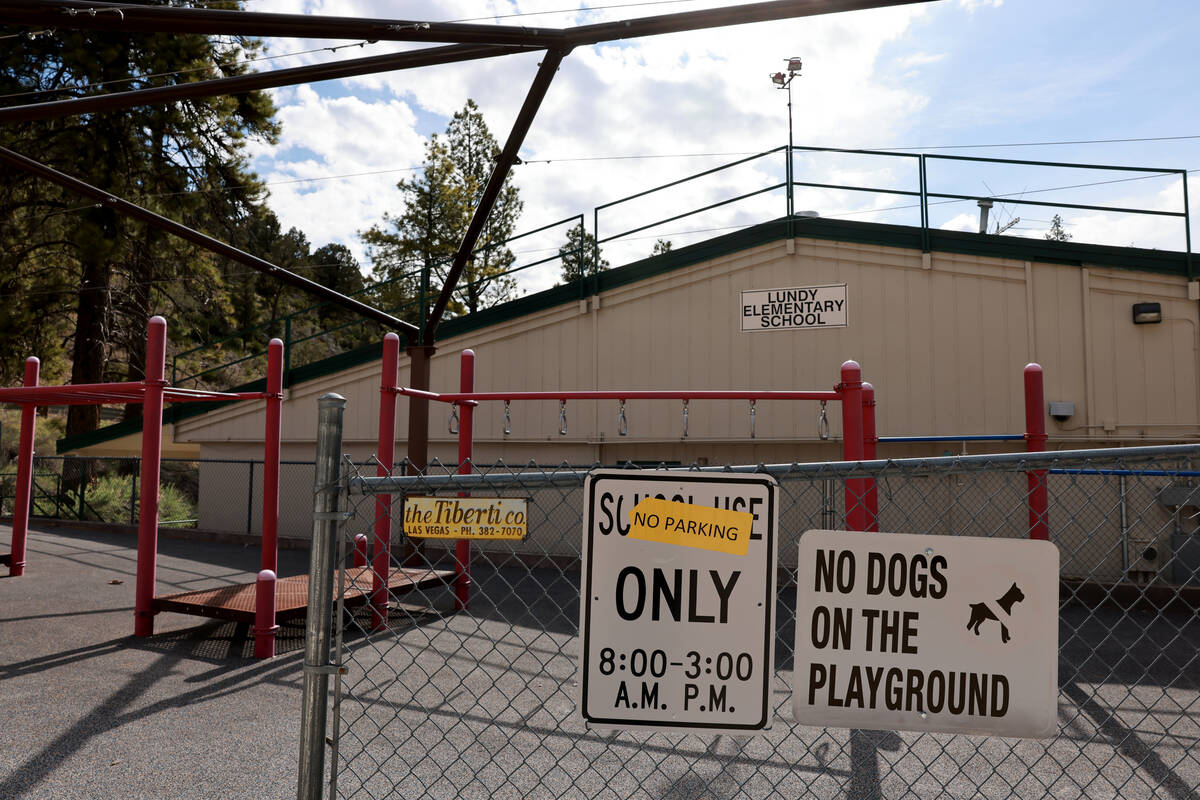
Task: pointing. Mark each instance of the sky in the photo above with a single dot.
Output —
(979, 78)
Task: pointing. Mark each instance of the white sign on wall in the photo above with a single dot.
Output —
(927, 633)
(677, 602)
(796, 308)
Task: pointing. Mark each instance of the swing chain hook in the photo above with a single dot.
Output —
(752, 402)
(562, 417)
(685, 418)
(452, 423)
(507, 419)
(622, 422)
(823, 424)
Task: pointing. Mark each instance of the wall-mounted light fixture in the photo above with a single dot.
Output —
(1147, 313)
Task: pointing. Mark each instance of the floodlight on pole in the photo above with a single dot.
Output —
(784, 81)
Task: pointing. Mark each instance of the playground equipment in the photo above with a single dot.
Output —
(858, 426)
(256, 603)
(859, 442)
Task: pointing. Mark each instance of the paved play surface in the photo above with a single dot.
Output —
(89, 711)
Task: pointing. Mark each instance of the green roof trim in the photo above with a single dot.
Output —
(1163, 262)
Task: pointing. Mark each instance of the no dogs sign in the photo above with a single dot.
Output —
(927, 633)
(677, 604)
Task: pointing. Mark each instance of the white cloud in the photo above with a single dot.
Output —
(919, 60)
(974, 5)
(325, 136)
(697, 92)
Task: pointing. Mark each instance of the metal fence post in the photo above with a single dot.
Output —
(319, 627)
(133, 485)
(250, 501)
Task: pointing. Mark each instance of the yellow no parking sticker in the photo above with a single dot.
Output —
(670, 522)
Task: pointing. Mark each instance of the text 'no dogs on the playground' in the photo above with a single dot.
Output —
(928, 633)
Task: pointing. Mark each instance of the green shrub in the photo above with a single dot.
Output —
(107, 499)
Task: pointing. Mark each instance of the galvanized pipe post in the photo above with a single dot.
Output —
(24, 493)
(318, 635)
(462, 548)
(385, 453)
(851, 389)
(147, 545)
(1035, 442)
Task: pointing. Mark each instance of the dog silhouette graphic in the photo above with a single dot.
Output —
(980, 612)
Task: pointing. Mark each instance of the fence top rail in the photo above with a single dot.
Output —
(996, 462)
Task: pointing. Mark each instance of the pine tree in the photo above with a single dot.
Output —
(178, 159)
(1057, 232)
(419, 243)
(578, 254)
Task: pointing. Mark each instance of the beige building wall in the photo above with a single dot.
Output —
(943, 339)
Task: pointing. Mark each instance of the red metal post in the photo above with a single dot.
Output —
(851, 389)
(264, 588)
(270, 507)
(869, 442)
(1035, 442)
(360, 550)
(385, 451)
(264, 615)
(24, 499)
(152, 408)
(466, 412)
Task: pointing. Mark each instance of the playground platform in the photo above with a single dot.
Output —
(236, 603)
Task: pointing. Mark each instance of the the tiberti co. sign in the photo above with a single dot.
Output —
(797, 308)
(504, 518)
(677, 620)
(955, 634)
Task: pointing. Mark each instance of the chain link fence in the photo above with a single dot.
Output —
(482, 702)
(216, 495)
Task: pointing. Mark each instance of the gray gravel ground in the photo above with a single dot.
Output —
(482, 705)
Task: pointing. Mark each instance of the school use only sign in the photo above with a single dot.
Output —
(677, 604)
(952, 634)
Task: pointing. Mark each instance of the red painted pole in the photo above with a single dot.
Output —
(462, 548)
(1035, 442)
(264, 615)
(264, 588)
(385, 453)
(24, 499)
(270, 507)
(869, 442)
(360, 550)
(851, 389)
(152, 408)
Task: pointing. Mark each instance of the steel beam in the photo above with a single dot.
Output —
(719, 17)
(254, 81)
(508, 156)
(128, 18)
(195, 237)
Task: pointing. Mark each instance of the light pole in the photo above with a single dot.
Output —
(784, 81)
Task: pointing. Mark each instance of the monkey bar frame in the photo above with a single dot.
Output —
(152, 393)
(858, 443)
